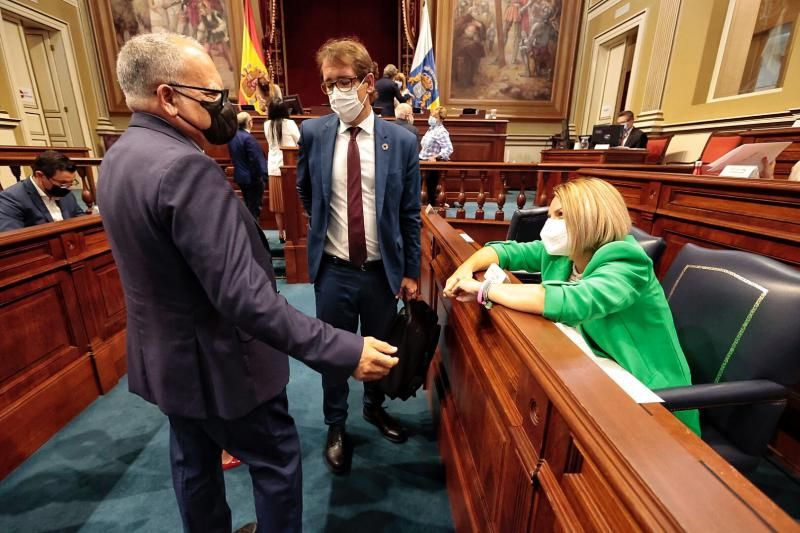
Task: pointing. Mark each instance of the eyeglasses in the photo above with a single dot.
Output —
(211, 93)
(73, 183)
(343, 84)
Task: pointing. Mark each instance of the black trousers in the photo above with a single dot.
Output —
(431, 182)
(265, 440)
(346, 296)
(253, 195)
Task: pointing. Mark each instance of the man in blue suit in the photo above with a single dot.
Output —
(358, 178)
(249, 164)
(43, 197)
(207, 332)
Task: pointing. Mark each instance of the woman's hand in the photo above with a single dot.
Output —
(466, 289)
(462, 272)
(432, 159)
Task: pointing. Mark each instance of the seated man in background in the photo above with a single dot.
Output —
(632, 137)
(404, 116)
(44, 196)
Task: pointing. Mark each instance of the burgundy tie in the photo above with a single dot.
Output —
(356, 236)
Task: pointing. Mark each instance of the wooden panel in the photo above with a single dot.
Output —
(67, 343)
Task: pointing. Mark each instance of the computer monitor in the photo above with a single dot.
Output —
(610, 134)
(247, 107)
(469, 111)
(292, 101)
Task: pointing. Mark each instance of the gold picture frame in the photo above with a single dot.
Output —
(534, 76)
(213, 22)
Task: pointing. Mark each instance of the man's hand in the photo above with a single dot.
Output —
(374, 364)
(408, 289)
(462, 272)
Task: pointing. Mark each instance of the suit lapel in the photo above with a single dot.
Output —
(36, 200)
(381, 164)
(328, 141)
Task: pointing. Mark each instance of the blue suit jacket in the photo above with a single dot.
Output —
(207, 332)
(21, 206)
(249, 162)
(397, 184)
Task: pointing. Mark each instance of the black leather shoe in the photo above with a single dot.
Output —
(389, 427)
(338, 452)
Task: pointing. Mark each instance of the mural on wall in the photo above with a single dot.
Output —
(515, 55)
(505, 50)
(205, 20)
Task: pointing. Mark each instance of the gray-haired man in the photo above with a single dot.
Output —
(207, 332)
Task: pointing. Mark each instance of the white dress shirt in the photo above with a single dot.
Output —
(336, 241)
(50, 203)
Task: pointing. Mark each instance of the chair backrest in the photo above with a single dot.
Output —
(736, 317)
(653, 246)
(657, 149)
(719, 144)
(527, 224)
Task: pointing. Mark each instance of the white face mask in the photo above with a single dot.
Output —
(554, 237)
(347, 104)
(399, 84)
(432, 121)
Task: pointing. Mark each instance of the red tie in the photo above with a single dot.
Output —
(356, 236)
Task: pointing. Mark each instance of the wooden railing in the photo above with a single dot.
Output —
(63, 342)
(535, 437)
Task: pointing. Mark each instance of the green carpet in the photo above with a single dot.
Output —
(108, 470)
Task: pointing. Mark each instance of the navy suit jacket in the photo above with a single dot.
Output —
(387, 91)
(21, 206)
(397, 184)
(249, 162)
(207, 332)
(636, 139)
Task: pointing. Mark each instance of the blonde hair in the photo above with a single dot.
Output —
(401, 78)
(594, 212)
(390, 71)
(440, 112)
(349, 52)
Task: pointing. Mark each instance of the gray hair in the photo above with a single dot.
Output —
(403, 111)
(243, 118)
(148, 60)
(390, 71)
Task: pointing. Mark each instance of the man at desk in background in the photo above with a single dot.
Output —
(404, 117)
(631, 137)
(43, 197)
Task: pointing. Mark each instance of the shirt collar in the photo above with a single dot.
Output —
(367, 125)
(38, 189)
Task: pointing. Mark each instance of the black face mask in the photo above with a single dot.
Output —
(223, 117)
(56, 191)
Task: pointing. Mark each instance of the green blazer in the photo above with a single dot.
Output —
(619, 307)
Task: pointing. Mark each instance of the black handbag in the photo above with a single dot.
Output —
(415, 333)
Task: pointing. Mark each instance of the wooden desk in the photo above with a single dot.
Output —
(535, 437)
(787, 158)
(63, 342)
(592, 157)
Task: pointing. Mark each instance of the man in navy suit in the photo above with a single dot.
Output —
(43, 197)
(207, 332)
(249, 164)
(632, 137)
(358, 178)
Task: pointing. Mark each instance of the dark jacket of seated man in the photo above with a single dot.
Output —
(43, 197)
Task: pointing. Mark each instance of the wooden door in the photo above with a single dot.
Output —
(40, 51)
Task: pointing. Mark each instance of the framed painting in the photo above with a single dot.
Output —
(515, 56)
(212, 22)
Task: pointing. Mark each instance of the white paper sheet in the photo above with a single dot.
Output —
(626, 381)
(467, 237)
(747, 154)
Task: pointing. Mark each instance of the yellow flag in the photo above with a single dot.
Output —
(253, 68)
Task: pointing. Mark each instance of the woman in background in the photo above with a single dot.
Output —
(595, 277)
(279, 130)
(400, 81)
(436, 146)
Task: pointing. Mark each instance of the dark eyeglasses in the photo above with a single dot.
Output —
(343, 84)
(223, 93)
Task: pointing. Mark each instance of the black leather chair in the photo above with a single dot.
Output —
(736, 317)
(653, 246)
(526, 226)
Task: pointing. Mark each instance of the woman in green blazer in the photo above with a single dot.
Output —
(595, 277)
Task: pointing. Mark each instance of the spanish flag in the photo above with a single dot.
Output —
(253, 68)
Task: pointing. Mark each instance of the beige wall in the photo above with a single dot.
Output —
(72, 20)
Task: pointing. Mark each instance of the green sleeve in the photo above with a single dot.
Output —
(519, 255)
(611, 287)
